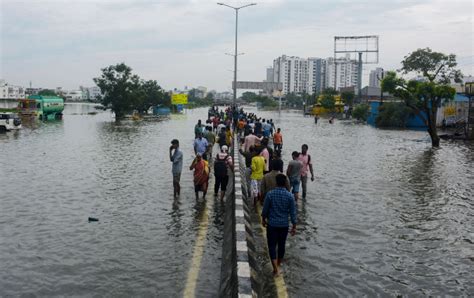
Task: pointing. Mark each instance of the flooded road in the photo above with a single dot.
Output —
(387, 215)
(54, 176)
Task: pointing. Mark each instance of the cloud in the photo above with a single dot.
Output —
(178, 43)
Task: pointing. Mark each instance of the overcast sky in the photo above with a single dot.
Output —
(183, 43)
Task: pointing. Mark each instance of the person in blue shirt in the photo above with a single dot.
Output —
(201, 146)
(278, 206)
(177, 159)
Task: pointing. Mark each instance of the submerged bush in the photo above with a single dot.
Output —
(393, 114)
(361, 112)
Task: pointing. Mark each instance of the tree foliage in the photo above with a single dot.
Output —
(293, 100)
(123, 92)
(328, 102)
(348, 97)
(393, 114)
(424, 97)
(249, 96)
(361, 112)
(47, 92)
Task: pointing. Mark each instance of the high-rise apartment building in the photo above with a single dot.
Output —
(316, 75)
(341, 73)
(292, 72)
(375, 76)
(313, 75)
(269, 74)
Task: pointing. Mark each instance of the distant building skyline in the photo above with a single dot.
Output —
(313, 74)
(375, 76)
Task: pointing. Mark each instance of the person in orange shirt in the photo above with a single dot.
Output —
(240, 127)
(278, 141)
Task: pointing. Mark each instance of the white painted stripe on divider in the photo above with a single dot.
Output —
(240, 227)
(239, 213)
(245, 296)
(242, 246)
(243, 269)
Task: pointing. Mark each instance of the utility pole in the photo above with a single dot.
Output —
(359, 78)
(235, 52)
(381, 91)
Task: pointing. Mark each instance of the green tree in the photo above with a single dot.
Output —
(192, 95)
(424, 97)
(266, 101)
(249, 96)
(294, 100)
(348, 97)
(210, 97)
(47, 92)
(328, 101)
(330, 91)
(151, 94)
(121, 90)
(361, 112)
(393, 114)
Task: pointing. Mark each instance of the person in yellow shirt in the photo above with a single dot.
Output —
(229, 136)
(258, 166)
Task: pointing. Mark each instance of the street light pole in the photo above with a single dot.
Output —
(235, 58)
(235, 53)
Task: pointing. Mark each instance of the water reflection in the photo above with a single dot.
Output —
(387, 214)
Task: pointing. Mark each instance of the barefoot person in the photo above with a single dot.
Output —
(177, 159)
(279, 205)
(201, 175)
(294, 174)
(305, 159)
(222, 166)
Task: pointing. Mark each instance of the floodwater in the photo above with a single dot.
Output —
(55, 175)
(387, 214)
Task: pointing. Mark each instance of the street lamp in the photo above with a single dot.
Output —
(235, 53)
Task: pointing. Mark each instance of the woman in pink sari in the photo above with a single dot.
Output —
(201, 175)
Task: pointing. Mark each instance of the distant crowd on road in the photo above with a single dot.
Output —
(267, 181)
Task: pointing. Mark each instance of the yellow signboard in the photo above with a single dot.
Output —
(179, 99)
(450, 111)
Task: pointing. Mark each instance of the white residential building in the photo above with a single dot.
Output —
(269, 74)
(316, 82)
(74, 95)
(93, 93)
(375, 76)
(292, 72)
(10, 91)
(313, 75)
(341, 73)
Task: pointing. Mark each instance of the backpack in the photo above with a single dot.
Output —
(222, 138)
(220, 166)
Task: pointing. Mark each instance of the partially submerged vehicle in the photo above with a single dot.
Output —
(9, 121)
(41, 107)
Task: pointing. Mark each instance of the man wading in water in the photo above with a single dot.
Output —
(177, 159)
(305, 159)
(279, 204)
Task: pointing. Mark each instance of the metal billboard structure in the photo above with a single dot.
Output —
(364, 49)
(265, 86)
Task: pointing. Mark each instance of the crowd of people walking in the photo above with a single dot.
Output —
(268, 183)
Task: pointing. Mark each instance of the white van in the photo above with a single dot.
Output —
(9, 121)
